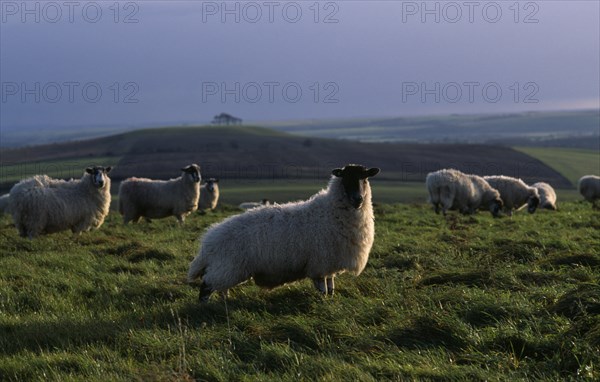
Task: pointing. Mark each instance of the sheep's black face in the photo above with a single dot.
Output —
(354, 180)
(99, 175)
(496, 207)
(193, 171)
(210, 184)
(532, 204)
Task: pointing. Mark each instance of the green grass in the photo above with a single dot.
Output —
(72, 168)
(571, 163)
(462, 298)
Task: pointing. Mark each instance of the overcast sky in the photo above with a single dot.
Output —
(153, 62)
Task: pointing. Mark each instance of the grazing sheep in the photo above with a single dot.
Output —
(515, 193)
(156, 199)
(209, 195)
(547, 195)
(42, 205)
(4, 200)
(589, 188)
(249, 205)
(328, 234)
(454, 190)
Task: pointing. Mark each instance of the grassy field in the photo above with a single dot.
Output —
(462, 298)
(236, 192)
(12, 173)
(571, 163)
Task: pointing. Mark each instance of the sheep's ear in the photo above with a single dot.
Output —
(107, 170)
(216, 180)
(337, 172)
(89, 170)
(372, 172)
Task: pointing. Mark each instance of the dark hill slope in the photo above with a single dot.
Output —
(258, 153)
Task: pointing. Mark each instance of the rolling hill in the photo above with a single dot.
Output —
(254, 153)
(575, 129)
(580, 129)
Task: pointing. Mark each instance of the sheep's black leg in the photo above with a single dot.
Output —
(320, 284)
(330, 285)
(205, 292)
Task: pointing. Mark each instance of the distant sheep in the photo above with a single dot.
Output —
(4, 201)
(250, 205)
(156, 199)
(209, 195)
(589, 188)
(42, 205)
(454, 190)
(328, 234)
(547, 195)
(515, 193)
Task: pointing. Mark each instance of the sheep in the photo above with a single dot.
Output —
(4, 201)
(589, 188)
(156, 199)
(515, 193)
(547, 195)
(454, 190)
(328, 234)
(249, 205)
(42, 205)
(209, 195)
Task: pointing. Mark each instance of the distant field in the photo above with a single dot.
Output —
(279, 191)
(553, 128)
(571, 163)
(383, 191)
(63, 169)
(245, 152)
(457, 299)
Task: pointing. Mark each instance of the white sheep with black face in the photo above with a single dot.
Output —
(451, 189)
(209, 195)
(328, 234)
(547, 195)
(42, 205)
(156, 199)
(515, 193)
(589, 188)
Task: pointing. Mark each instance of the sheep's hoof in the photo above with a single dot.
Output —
(320, 285)
(330, 286)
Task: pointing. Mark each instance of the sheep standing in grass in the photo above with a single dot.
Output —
(454, 190)
(328, 234)
(589, 188)
(515, 193)
(547, 195)
(249, 205)
(42, 205)
(209, 195)
(156, 199)
(4, 201)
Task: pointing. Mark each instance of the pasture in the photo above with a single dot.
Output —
(462, 298)
(571, 163)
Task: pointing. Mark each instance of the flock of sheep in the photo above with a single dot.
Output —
(328, 234)
(453, 190)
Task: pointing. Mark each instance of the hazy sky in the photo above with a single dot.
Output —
(162, 62)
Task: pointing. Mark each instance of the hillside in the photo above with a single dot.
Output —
(238, 153)
(580, 129)
(575, 129)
